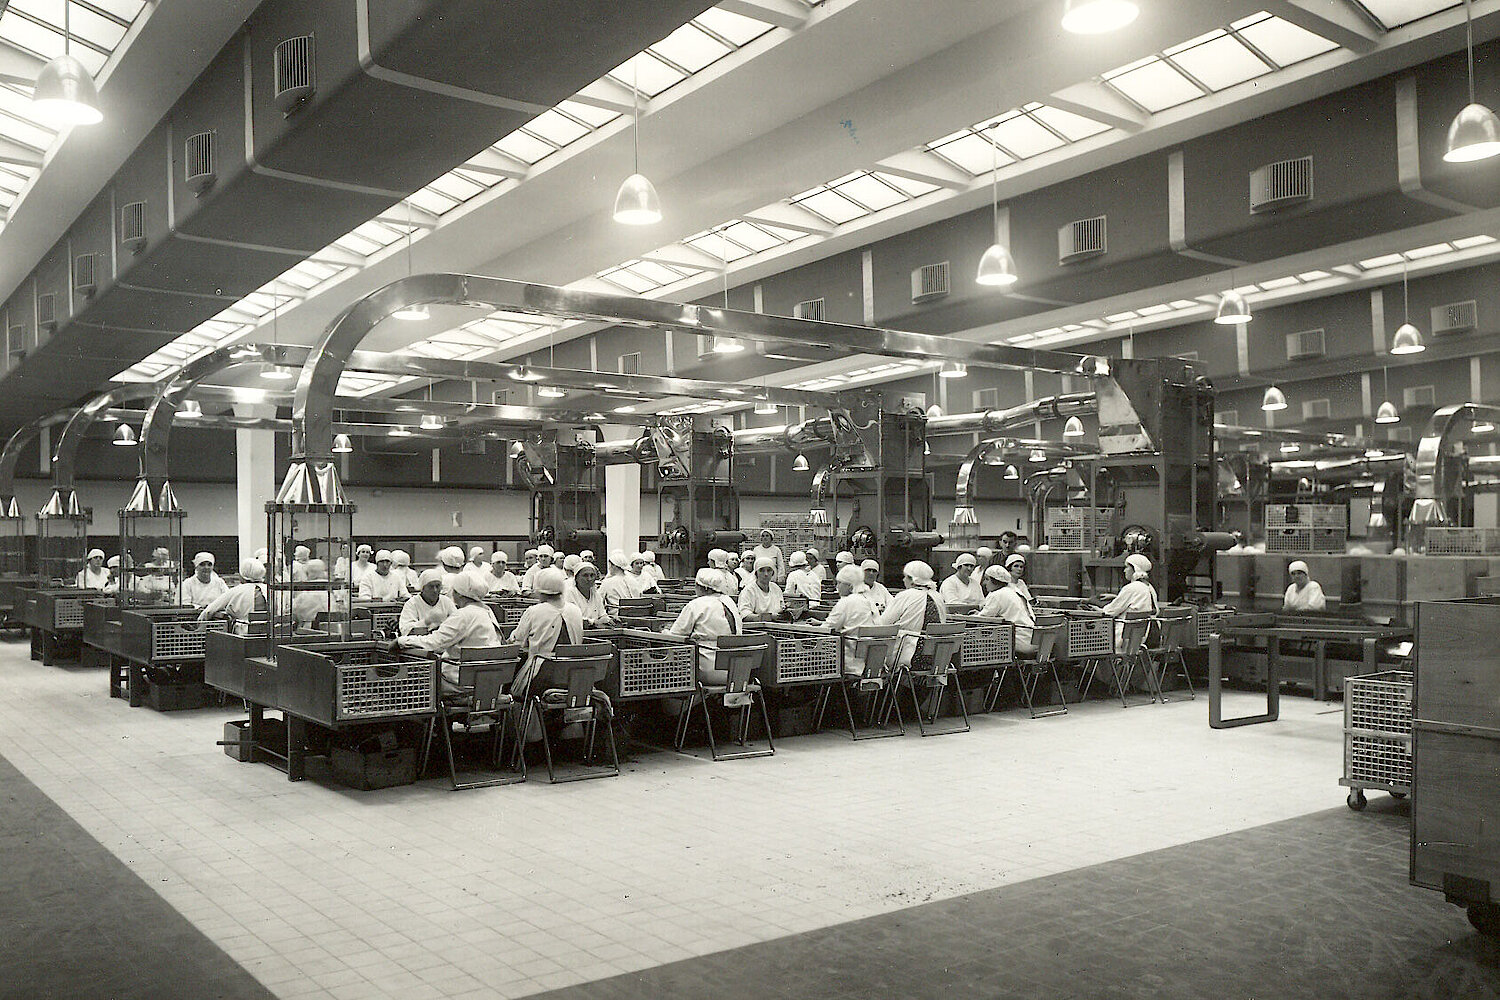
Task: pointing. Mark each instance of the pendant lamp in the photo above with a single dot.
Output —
(398, 432)
(1011, 473)
(953, 369)
(800, 463)
(190, 409)
(1481, 426)
(271, 373)
(65, 93)
(765, 408)
(1096, 17)
(934, 411)
(996, 268)
(1407, 338)
(432, 422)
(1274, 399)
(342, 445)
(1233, 308)
(1073, 428)
(124, 437)
(637, 203)
(1038, 455)
(1387, 413)
(1475, 132)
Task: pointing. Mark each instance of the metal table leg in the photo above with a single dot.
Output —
(1216, 718)
(296, 748)
(1320, 667)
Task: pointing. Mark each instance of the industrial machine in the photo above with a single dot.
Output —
(699, 507)
(567, 495)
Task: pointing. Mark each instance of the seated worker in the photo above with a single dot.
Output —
(768, 549)
(451, 562)
(428, 608)
(528, 561)
(986, 556)
(113, 587)
(505, 581)
(718, 561)
(1136, 595)
(816, 567)
(583, 593)
(1303, 594)
(300, 555)
(544, 557)
(761, 600)
(653, 571)
(635, 574)
(307, 605)
(200, 589)
(94, 576)
(382, 583)
(471, 626)
(742, 573)
(1015, 565)
(801, 582)
(844, 558)
(362, 565)
(1004, 603)
(587, 555)
(705, 618)
(876, 592)
(543, 627)
(618, 586)
(401, 566)
(913, 609)
(852, 610)
(479, 562)
(570, 565)
(963, 586)
(239, 601)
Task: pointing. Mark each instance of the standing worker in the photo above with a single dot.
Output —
(768, 549)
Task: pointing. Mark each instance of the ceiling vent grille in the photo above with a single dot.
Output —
(1277, 185)
(987, 399)
(200, 161)
(1083, 240)
(1316, 409)
(46, 312)
(85, 281)
(928, 282)
(295, 73)
(630, 364)
(1455, 317)
(1419, 396)
(811, 309)
(1229, 418)
(1305, 344)
(133, 226)
(500, 397)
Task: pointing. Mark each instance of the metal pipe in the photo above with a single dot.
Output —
(1000, 421)
(65, 454)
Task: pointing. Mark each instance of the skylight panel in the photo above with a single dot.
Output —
(658, 274)
(736, 29)
(654, 77)
(691, 48)
(377, 233)
(556, 128)
(1284, 42)
(524, 147)
(1024, 137)
(1394, 13)
(358, 244)
(870, 192)
(912, 188)
(26, 132)
(1070, 126)
(1155, 86)
(1271, 284)
(751, 237)
(970, 152)
(455, 187)
(1473, 241)
(432, 201)
(587, 113)
(1435, 250)
(1384, 260)
(716, 245)
(833, 207)
(1221, 62)
(628, 280)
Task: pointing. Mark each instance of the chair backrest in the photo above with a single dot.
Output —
(487, 679)
(477, 653)
(1178, 626)
(874, 644)
(942, 642)
(1134, 625)
(576, 674)
(1047, 629)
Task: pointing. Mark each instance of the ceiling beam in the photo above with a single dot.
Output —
(682, 255)
(19, 154)
(789, 216)
(498, 164)
(610, 95)
(17, 65)
(1094, 100)
(791, 14)
(1336, 20)
(920, 165)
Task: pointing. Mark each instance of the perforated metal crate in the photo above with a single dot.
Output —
(1461, 541)
(379, 690)
(1090, 636)
(1306, 540)
(67, 612)
(1210, 620)
(796, 655)
(1306, 515)
(1379, 703)
(987, 644)
(182, 639)
(1377, 762)
(656, 669)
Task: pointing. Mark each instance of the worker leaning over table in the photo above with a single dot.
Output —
(1005, 603)
(471, 626)
(1303, 593)
(240, 601)
(705, 618)
(428, 608)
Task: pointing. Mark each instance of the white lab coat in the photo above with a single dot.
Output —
(955, 591)
(761, 603)
(618, 587)
(195, 594)
(800, 582)
(731, 582)
(449, 575)
(908, 608)
(504, 583)
(1309, 598)
(772, 552)
(90, 580)
(539, 632)
(704, 619)
(821, 572)
(308, 605)
(417, 613)
(1007, 605)
(591, 607)
(472, 626)
(1137, 595)
(1024, 591)
(655, 573)
(375, 587)
(238, 602)
(357, 572)
(850, 612)
(878, 596)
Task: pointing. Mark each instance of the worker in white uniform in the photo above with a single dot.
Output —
(583, 593)
(300, 556)
(742, 573)
(1015, 565)
(876, 591)
(471, 626)
(505, 580)
(1005, 603)
(706, 617)
(718, 561)
(113, 565)
(545, 554)
(617, 586)
(985, 555)
(1136, 595)
(1304, 593)
(240, 601)
(570, 566)
(361, 567)
(479, 562)
(587, 555)
(801, 582)
(816, 567)
(844, 558)
(963, 586)
(913, 609)
(852, 610)
(551, 622)
(382, 583)
(401, 566)
(768, 549)
(635, 574)
(94, 576)
(528, 560)
(451, 562)
(761, 600)
(653, 570)
(307, 605)
(428, 608)
(200, 589)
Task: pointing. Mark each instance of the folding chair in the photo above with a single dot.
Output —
(1031, 672)
(565, 686)
(1177, 625)
(931, 663)
(738, 656)
(873, 646)
(481, 704)
(1132, 656)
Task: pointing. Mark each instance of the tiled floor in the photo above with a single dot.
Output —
(422, 892)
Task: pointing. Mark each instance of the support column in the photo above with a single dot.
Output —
(622, 496)
(255, 478)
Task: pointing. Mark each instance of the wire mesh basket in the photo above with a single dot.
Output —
(182, 639)
(1379, 703)
(377, 690)
(1090, 635)
(1209, 621)
(652, 667)
(799, 654)
(1461, 541)
(1306, 515)
(67, 612)
(986, 644)
(1377, 732)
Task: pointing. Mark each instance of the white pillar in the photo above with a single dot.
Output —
(622, 496)
(255, 478)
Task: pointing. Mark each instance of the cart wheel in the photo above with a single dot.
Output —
(1486, 918)
(1398, 795)
(1356, 799)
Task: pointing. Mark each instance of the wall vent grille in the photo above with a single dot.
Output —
(84, 277)
(811, 309)
(1229, 418)
(1305, 344)
(1316, 409)
(987, 399)
(295, 73)
(46, 311)
(1455, 317)
(929, 282)
(200, 159)
(133, 226)
(630, 364)
(1419, 395)
(1277, 185)
(1083, 240)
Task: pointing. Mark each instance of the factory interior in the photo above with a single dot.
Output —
(818, 499)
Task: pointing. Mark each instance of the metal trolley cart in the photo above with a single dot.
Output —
(1377, 735)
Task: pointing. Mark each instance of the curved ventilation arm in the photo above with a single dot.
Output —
(10, 457)
(65, 455)
(1440, 465)
(1000, 421)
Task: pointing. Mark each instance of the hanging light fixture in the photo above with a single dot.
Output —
(1481, 426)
(728, 345)
(1011, 473)
(1387, 413)
(1233, 308)
(124, 436)
(1274, 399)
(1407, 339)
(765, 408)
(997, 267)
(1374, 453)
(551, 392)
(1038, 455)
(524, 373)
(271, 373)
(65, 93)
(934, 411)
(398, 431)
(637, 203)
(994, 455)
(1475, 132)
(799, 464)
(1290, 447)
(342, 445)
(417, 311)
(432, 422)
(1096, 17)
(953, 369)
(626, 408)
(190, 409)
(1073, 428)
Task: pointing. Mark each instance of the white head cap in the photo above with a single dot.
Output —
(618, 558)
(1013, 558)
(765, 562)
(985, 552)
(812, 553)
(477, 552)
(400, 557)
(384, 555)
(114, 562)
(199, 559)
(797, 559)
(850, 574)
(96, 553)
(966, 559)
(452, 557)
(920, 574)
(1297, 566)
(710, 579)
(649, 556)
(571, 564)
(253, 570)
(499, 559)
(430, 575)
(529, 554)
(716, 558)
(845, 558)
(1138, 562)
(550, 581)
(637, 557)
(999, 574)
(471, 585)
(317, 569)
(545, 550)
(587, 555)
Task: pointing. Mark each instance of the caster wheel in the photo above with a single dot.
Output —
(1356, 799)
(1398, 795)
(1486, 918)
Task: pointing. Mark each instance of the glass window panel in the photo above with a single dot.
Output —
(29, 35)
(524, 147)
(26, 133)
(104, 32)
(734, 28)
(1284, 42)
(1313, 276)
(455, 187)
(716, 246)
(17, 104)
(1393, 13)
(1221, 63)
(485, 181)
(1072, 127)
(913, 188)
(1384, 260)
(1273, 283)
(690, 48)
(587, 113)
(788, 235)
(835, 208)
(358, 244)
(658, 274)
(655, 75)
(971, 152)
(628, 280)
(1473, 241)
(1435, 250)
(556, 128)
(871, 193)
(431, 201)
(1155, 310)
(92, 60)
(1156, 86)
(751, 236)
(1024, 137)
(1193, 42)
(377, 233)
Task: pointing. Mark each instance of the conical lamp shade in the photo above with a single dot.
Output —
(637, 203)
(1073, 428)
(997, 267)
(342, 445)
(1407, 340)
(1232, 309)
(1474, 135)
(1274, 399)
(953, 369)
(1011, 473)
(934, 411)
(800, 464)
(1387, 413)
(125, 436)
(65, 94)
